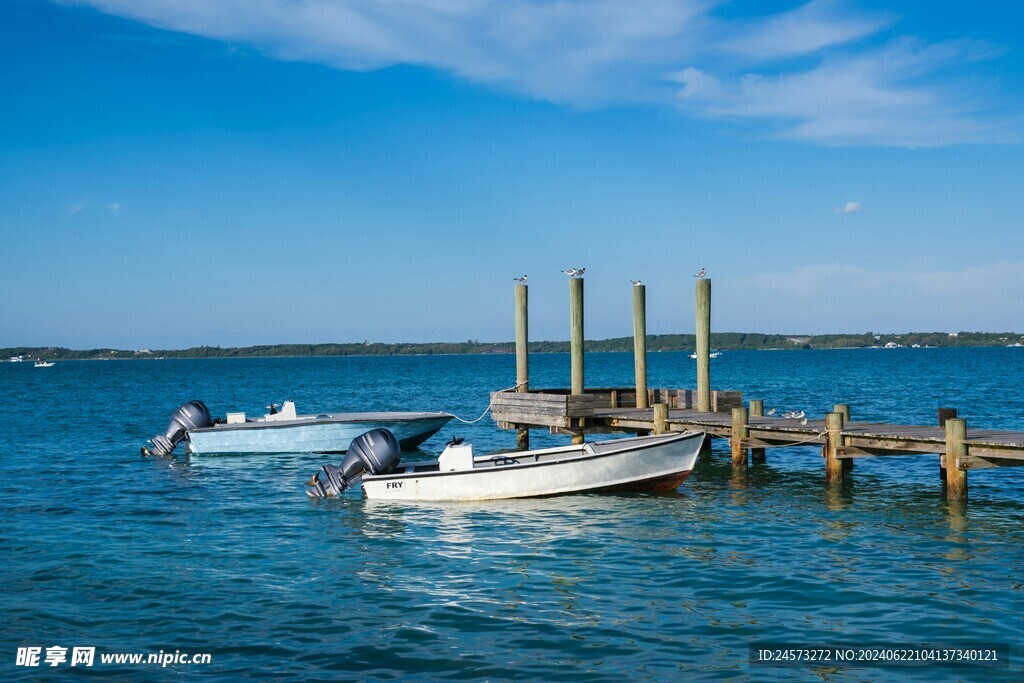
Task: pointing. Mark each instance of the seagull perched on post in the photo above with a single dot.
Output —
(574, 272)
(702, 273)
(520, 280)
(635, 283)
(581, 270)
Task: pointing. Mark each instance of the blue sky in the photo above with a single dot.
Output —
(260, 171)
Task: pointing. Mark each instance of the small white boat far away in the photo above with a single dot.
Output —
(645, 463)
(713, 354)
(40, 363)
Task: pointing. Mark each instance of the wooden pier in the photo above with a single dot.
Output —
(580, 411)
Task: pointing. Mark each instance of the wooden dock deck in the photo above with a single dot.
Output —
(611, 410)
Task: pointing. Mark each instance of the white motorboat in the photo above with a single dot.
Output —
(713, 354)
(40, 363)
(285, 431)
(645, 463)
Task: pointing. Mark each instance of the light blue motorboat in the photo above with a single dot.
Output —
(285, 431)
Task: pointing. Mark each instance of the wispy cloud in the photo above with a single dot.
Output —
(825, 72)
(114, 208)
(849, 207)
(77, 206)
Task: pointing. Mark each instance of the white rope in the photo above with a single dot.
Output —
(488, 408)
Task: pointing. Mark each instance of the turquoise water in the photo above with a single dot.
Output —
(103, 548)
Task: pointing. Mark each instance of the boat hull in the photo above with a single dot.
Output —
(312, 436)
(640, 464)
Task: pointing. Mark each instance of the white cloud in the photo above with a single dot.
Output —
(849, 207)
(114, 208)
(821, 73)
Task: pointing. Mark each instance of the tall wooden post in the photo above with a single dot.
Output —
(956, 478)
(660, 418)
(576, 340)
(522, 356)
(833, 441)
(944, 414)
(703, 347)
(640, 343)
(757, 455)
(739, 433)
(844, 410)
(576, 332)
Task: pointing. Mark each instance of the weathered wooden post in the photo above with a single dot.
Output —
(844, 410)
(944, 414)
(576, 340)
(956, 478)
(757, 455)
(833, 441)
(703, 346)
(576, 332)
(739, 433)
(640, 343)
(660, 418)
(522, 356)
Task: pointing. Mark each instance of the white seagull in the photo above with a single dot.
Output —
(702, 273)
(580, 271)
(520, 280)
(572, 272)
(635, 283)
(771, 412)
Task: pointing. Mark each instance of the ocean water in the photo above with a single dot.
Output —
(101, 547)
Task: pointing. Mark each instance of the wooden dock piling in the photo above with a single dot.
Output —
(756, 409)
(738, 437)
(833, 442)
(944, 414)
(703, 346)
(956, 447)
(640, 343)
(576, 332)
(660, 418)
(576, 340)
(844, 410)
(522, 356)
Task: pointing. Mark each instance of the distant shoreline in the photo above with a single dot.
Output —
(721, 341)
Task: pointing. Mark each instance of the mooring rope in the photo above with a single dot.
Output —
(488, 408)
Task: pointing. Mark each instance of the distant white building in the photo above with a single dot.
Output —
(954, 334)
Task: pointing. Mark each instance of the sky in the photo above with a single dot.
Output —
(181, 172)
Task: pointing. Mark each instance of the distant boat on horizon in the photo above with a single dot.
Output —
(713, 354)
(40, 363)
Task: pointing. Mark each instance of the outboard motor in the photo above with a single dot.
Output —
(192, 415)
(377, 452)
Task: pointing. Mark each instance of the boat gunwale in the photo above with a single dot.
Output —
(317, 420)
(498, 468)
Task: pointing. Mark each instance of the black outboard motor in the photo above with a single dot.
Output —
(377, 452)
(192, 415)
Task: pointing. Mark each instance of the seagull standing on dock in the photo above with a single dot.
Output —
(771, 412)
(520, 280)
(702, 273)
(635, 283)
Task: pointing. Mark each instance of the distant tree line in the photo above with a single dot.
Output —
(724, 341)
